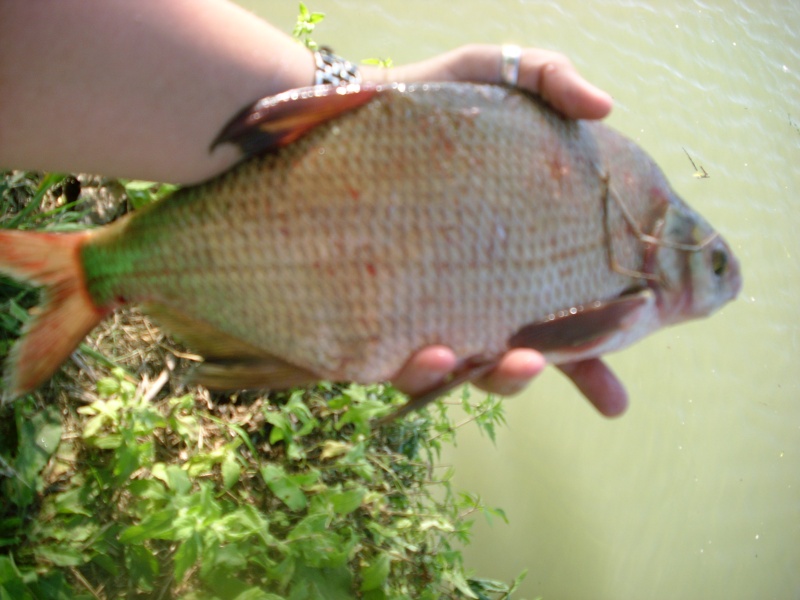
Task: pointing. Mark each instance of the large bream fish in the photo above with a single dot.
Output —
(375, 221)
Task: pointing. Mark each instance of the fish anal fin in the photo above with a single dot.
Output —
(230, 363)
(65, 315)
(582, 327)
(255, 373)
(276, 121)
(205, 338)
(472, 368)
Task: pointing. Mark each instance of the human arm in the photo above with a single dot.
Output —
(139, 90)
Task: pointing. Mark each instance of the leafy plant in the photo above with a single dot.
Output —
(293, 498)
(142, 193)
(384, 63)
(306, 23)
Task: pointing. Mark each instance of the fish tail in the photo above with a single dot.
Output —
(66, 313)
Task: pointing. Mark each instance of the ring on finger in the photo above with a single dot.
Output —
(509, 68)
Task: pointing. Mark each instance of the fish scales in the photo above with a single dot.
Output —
(451, 214)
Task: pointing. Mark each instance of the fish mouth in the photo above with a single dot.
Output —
(698, 297)
(735, 280)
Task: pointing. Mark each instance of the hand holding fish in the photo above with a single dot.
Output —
(552, 76)
(545, 73)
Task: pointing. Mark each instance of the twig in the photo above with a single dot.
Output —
(83, 366)
(699, 173)
(152, 391)
(79, 576)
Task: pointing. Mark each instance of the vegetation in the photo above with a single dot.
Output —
(119, 482)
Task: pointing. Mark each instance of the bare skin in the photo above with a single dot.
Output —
(139, 90)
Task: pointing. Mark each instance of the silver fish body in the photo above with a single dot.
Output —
(466, 215)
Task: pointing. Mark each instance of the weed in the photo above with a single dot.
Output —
(119, 482)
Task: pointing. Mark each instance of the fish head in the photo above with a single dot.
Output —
(696, 272)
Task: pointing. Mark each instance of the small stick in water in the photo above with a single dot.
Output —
(700, 173)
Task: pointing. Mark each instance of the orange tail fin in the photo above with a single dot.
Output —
(66, 313)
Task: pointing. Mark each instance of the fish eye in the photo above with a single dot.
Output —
(719, 262)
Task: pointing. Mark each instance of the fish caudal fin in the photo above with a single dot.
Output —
(66, 312)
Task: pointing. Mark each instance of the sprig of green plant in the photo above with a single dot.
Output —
(306, 23)
(142, 193)
(384, 63)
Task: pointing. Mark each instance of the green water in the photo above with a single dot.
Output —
(695, 493)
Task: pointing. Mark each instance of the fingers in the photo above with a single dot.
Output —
(431, 365)
(555, 79)
(425, 369)
(515, 371)
(548, 74)
(600, 386)
(592, 377)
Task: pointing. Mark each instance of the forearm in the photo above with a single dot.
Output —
(139, 89)
(134, 89)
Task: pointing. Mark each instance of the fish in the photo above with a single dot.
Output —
(369, 221)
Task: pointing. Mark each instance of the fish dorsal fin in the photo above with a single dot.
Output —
(581, 326)
(276, 121)
(230, 363)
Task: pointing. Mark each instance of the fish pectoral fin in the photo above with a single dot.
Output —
(252, 373)
(470, 369)
(582, 326)
(276, 121)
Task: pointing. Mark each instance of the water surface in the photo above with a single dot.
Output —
(695, 493)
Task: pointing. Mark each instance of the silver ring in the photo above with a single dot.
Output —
(509, 68)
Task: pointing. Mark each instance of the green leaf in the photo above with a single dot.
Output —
(322, 584)
(374, 574)
(284, 487)
(440, 524)
(360, 414)
(142, 567)
(148, 489)
(257, 594)
(334, 449)
(346, 502)
(384, 63)
(61, 556)
(108, 386)
(177, 479)
(39, 436)
(107, 442)
(159, 525)
(456, 578)
(187, 555)
(11, 581)
(142, 193)
(318, 544)
(72, 502)
(231, 470)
